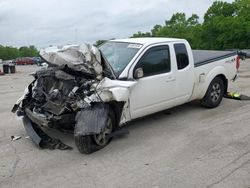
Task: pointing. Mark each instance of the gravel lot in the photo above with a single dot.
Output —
(187, 146)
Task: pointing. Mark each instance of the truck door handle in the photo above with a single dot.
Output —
(170, 79)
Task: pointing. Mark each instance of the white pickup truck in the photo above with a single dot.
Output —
(148, 75)
(168, 73)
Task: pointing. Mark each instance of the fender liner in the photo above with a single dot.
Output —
(91, 120)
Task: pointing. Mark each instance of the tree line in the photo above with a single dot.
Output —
(8, 52)
(225, 26)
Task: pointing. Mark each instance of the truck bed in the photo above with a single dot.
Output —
(202, 57)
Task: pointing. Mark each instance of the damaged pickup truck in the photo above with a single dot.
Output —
(94, 92)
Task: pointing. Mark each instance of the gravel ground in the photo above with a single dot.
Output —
(186, 146)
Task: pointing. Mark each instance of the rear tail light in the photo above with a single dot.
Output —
(237, 62)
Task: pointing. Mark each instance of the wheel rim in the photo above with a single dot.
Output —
(216, 92)
(102, 138)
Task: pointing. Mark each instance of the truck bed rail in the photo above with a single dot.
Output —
(202, 57)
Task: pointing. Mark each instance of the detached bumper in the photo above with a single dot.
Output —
(40, 138)
(56, 122)
(29, 127)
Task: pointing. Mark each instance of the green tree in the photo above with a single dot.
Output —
(141, 34)
(99, 42)
(193, 20)
(30, 51)
(226, 25)
(219, 9)
(8, 52)
(180, 27)
(155, 30)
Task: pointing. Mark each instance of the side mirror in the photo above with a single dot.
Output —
(138, 73)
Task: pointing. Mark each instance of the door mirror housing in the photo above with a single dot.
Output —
(138, 73)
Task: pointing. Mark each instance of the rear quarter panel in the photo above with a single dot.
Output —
(204, 74)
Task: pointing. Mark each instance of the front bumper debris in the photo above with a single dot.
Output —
(28, 125)
(40, 138)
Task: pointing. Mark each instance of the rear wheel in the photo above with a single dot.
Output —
(90, 143)
(214, 93)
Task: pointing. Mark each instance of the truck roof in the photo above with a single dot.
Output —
(148, 40)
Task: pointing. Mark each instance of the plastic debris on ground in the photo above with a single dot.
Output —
(14, 138)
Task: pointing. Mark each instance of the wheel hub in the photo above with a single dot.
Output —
(216, 92)
(102, 138)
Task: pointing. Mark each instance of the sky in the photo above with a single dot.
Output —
(57, 22)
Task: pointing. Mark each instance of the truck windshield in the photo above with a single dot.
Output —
(119, 54)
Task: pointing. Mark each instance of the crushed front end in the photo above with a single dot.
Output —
(77, 79)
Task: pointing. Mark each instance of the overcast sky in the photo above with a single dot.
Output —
(55, 22)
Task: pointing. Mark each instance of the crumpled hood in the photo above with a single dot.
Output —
(85, 58)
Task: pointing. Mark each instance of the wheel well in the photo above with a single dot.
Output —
(117, 108)
(225, 82)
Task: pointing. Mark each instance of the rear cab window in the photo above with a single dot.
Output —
(155, 61)
(181, 55)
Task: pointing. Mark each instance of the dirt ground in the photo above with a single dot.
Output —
(187, 146)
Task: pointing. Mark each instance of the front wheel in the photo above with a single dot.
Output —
(90, 143)
(214, 93)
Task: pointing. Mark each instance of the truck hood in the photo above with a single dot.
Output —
(85, 58)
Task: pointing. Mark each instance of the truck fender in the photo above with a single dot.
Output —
(219, 70)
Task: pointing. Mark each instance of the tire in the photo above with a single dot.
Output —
(90, 143)
(214, 94)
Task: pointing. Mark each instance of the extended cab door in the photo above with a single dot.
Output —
(184, 72)
(155, 90)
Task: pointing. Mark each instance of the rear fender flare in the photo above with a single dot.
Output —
(215, 72)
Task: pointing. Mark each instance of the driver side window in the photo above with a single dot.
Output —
(155, 61)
